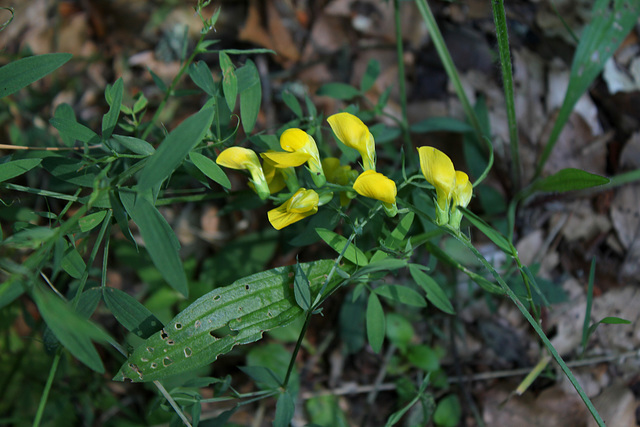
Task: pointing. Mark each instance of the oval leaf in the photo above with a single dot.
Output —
(569, 179)
(175, 148)
(130, 313)
(210, 169)
(18, 74)
(434, 293)
(17, 167)
(338, 242)
(401, 294)
(375, 323)
(225, 317)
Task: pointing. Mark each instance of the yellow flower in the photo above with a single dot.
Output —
(461, 197)
(301, 205)
(274, 176)
(438, 169)
(298, 141)
(282, 164)
(246, 159)
(353, 133)
(341, 175)
(377, 186)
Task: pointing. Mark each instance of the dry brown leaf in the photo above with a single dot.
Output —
(617, 407)
(552, 408)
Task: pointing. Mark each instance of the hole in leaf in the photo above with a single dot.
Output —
(144, 359)
(154, 365)
(216, 298)
(170, 342)
(187, 352)
(197, 324)
(223, 332)
(178, 326)
(246, 287)
(150, 349)
(164, 335)
(269, 314)
(166, 362)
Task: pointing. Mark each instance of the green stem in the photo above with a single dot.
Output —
(502, 35)
(47, 388)
(536, 327)
(404, 124)
(172, 86)
(172, 402)
(294, 356)
(449, 66)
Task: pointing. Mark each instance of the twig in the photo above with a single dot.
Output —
(23, 147)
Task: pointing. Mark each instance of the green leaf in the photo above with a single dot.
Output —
(324, 410)
(114, 98)
(399, 331)
(448, 412)
(424, 357)
(401, 294)
(229, 80)
(201, 76)
(284, 410)
(612, 320)
(64, 111)
(338, 242)
(387, 264)
(16, 168)
(440, 124)
(250, 95)
(341, 91)
(302, 289)
(292, 102)
(611, 21)
(263, 376)
(73, 263)
(218, 321)
(569, 179)
(18, 74)
(375, 323)
(434, 293)
(488, 231)
(72, 170)
(135, 145)
(130, 313)
(71, 129)
(370, 75)
(159, 239)
(175, 148)
(72, 330)
(210, 169)
(91, 221)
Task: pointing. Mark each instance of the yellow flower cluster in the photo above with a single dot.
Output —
(450, 184)
(277, 171)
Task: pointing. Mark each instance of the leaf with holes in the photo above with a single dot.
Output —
(218, 321)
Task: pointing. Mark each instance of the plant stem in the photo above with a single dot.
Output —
(502, 35)
(449, 66)
(172, 402)
(404, 123)
(536, 327)
(47, 388)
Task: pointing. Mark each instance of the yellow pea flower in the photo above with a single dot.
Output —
(245, 159)
(298, 141)
(301, 205)
(377, 186)
(282, 164)
(461, 197)
(350, 130)
(341, 175)
(274, 176)
(438, 169)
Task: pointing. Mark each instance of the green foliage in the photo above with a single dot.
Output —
(21, 73)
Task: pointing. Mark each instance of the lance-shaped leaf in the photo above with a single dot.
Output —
(225, 317)
(569, 179)
(175, 148)
(18, 74)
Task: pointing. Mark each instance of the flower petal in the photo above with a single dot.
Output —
(376, 186)
(295, 139)
(352, 132)
(463, 190)
(238, 158)
(286, 159)
(301, 205)
(438, 169)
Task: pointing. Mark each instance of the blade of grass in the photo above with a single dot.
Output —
(449, 66)
(587, 314)
(502, 34)
(565, 369)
